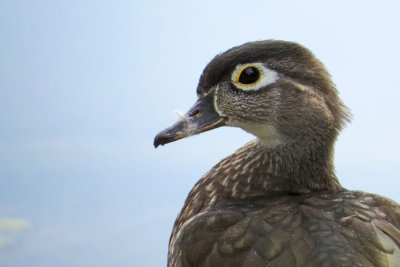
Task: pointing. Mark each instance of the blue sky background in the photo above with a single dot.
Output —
(86, 85)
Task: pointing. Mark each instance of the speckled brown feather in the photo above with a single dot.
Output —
(314, 229)
(281, 205)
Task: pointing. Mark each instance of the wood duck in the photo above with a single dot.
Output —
(276, 201)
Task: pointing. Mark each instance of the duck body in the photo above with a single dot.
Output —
(344, 228)
(230, 219)
(276, 201)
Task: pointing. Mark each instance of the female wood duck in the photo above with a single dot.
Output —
(276, 201)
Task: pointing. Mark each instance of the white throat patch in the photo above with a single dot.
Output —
(267, 135)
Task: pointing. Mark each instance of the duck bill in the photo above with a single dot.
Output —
(200, 118)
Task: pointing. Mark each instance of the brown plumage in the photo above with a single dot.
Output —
(276, 201)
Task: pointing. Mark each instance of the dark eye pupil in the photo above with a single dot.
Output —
(249, 75)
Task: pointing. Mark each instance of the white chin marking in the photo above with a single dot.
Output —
(267, 135)
(272, 143)
(268, 76)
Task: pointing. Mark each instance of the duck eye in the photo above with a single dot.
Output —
(253, 76)
(248, 75)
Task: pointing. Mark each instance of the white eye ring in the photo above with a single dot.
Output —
(267, 76)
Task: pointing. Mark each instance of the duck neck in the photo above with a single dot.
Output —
(260, 170)
(256, 169)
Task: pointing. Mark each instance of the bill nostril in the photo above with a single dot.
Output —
(195, 113)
